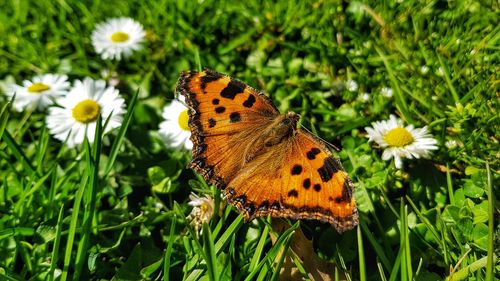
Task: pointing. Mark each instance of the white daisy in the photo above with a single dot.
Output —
(39, 93)
(399, 141)
(78, 112)
(175, 129)
(202, 212)
(117, 37)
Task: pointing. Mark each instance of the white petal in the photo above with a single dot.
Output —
(398, 162)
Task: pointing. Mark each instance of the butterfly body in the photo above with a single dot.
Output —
(278, 131)
(264, 164)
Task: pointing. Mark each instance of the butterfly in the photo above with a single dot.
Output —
(264, 164)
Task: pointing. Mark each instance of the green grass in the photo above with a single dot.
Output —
(117, 208)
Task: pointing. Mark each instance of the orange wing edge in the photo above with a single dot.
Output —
(251, 211)
(198, 162)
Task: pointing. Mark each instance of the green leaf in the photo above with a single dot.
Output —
(363, 199)
(46, 232)
(480, 235)
(130, 270)
(472, 190)
(466, 227)
(470, 170)
(91, 261)
(150, 269)
(345, 113)
(377, 179)
(450, 214)
(161, 183)
(480, 212)
(459, 197)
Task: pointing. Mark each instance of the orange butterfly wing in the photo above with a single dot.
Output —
(296, 177)
(304, 181)
(224, 113)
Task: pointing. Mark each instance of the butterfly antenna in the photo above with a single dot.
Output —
(328, 143)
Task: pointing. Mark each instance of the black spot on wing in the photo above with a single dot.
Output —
(296, 169)
(199, 162)
(235, 117)
(347, 190)
(250, 101)
(311, 154)
(264, 206)
(207, 79)
(275, 205)
(240, 199)
(211, 123)
(215, 101)
(249, 208)
(317, 187)
(293, 193)
(201, 149)
(232, 89)
(220, 109)
(230, 191)
(307, 183)
(329, 168)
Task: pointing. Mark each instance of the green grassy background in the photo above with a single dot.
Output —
(117, 209)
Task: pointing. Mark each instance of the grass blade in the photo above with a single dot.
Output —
(398, 95)
(361, 255)
(396, 266)
(409, 269)
(402, 241)
(73, 226)
(491, 224)
(259, 249)
(55, 248)
(168, 251)
(17, 152)
(453, 92)
(376, 246)
(432, 229)
(115, 148)
(93, 156)
(4, 117)
(230, 231)
(210, 257)
(273, 252)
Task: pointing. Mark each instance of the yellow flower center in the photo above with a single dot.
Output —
(204, 207)
(37, 88)
(119, 37)
(86, 111)
(183, 120)
(398, 137)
